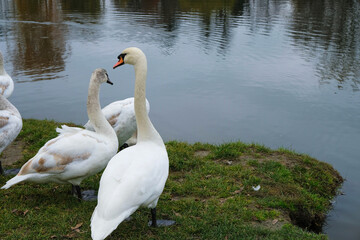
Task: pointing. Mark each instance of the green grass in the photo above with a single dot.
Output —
(209, 193)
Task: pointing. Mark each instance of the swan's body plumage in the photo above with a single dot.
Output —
(136, 176)
(133, 178)
(121, 116)
(75, 153)
(10, 118)
(10, 123)
(6, 82)
(69, 158)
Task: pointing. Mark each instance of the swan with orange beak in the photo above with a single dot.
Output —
(136, 176)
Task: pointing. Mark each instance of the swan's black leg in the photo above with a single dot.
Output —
(158, 222)
(1, 169)
(153, 217)
(77, 190)
(125, 145)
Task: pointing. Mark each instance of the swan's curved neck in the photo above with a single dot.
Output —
(98, 120)
(145, 128)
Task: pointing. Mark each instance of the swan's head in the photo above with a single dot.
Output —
(130, 56)
(100, 75)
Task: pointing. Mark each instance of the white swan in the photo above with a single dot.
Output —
(76, 153)
(6, 83)
(121, 116)
(10, 124)
(136, 176)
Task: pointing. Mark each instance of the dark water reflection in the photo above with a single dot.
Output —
(330, 30)
(32, 29)
(279, 72)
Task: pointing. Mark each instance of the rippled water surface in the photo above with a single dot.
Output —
(284, 73)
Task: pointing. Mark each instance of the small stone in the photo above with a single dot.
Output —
(13, 171)
(89, 195)
(162, 223)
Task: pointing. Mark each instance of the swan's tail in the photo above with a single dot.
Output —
(101, 228)
(66, 129)
(14, 181)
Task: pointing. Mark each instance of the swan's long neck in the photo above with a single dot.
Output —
(97, 118)
(146, 130)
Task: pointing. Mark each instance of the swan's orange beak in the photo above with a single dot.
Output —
(119, 63)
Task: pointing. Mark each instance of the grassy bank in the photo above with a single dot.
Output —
(210, 194)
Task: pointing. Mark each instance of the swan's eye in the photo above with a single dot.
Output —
(122, 56)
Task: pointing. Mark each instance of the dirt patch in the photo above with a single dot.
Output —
(201, 153)
(288, 161)
(12, 153)
(226, 162)
(273, 224)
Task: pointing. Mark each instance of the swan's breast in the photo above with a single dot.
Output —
(3, 121)
(3, 87)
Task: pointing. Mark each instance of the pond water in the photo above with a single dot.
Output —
(283, 73)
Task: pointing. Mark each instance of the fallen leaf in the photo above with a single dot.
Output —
(175, 198)
(177, 214)
(53, 236)
(238, 191)
(70, 235)
(275, 221)
(77, 226)
(25, 212)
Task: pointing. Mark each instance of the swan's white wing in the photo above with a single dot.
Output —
(73, 154)
(10, 126)
(134, 177)
(106, 218)
(66, 129)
